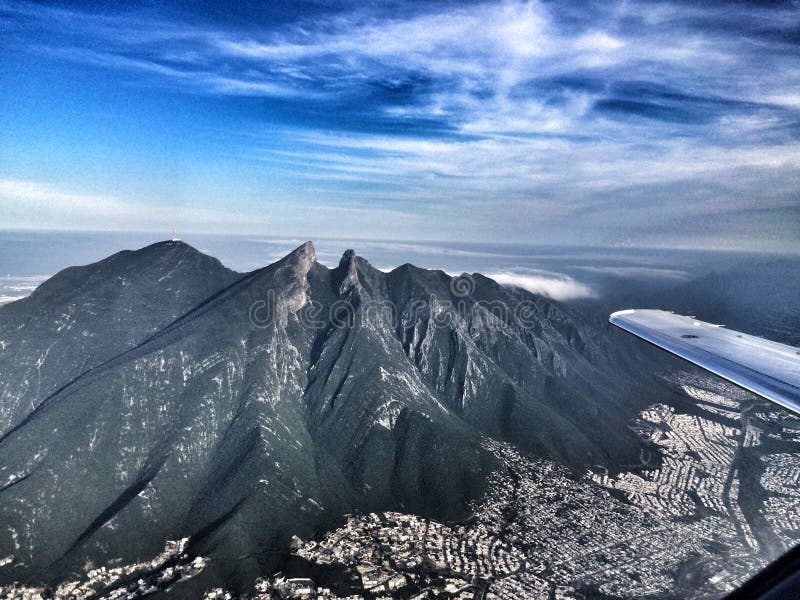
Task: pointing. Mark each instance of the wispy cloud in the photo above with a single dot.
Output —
(15, 287)
(34, 204)
(638, 272)
(555, 285)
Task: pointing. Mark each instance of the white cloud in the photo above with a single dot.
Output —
(554, 285)
(14, 287)
(36, 205)
(638, 272)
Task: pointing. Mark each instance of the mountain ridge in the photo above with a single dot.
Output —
(240, 433)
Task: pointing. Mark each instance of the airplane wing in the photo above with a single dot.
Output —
(766, 368)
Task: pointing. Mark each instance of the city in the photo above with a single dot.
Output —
(540, 532)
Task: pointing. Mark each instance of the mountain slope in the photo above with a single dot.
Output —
(241, 409)
(84, 315)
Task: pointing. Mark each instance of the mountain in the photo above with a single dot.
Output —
(157, 395)
(84, 315)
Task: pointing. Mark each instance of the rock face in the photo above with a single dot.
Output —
(157, 395)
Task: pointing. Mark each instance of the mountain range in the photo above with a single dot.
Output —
(157, 395)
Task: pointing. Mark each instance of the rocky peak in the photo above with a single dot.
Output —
(301, 257)
(348, 271)
(296, 266)
(297, 263)
(348, 255)
(164, 249)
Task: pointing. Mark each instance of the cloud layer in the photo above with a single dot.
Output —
(554, 285)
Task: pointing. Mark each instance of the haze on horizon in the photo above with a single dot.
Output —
(651, 123)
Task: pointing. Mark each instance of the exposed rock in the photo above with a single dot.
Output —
(157, 395)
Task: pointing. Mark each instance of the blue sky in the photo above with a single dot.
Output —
(608, 123)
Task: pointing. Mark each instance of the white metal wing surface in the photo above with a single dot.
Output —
(766, 368)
